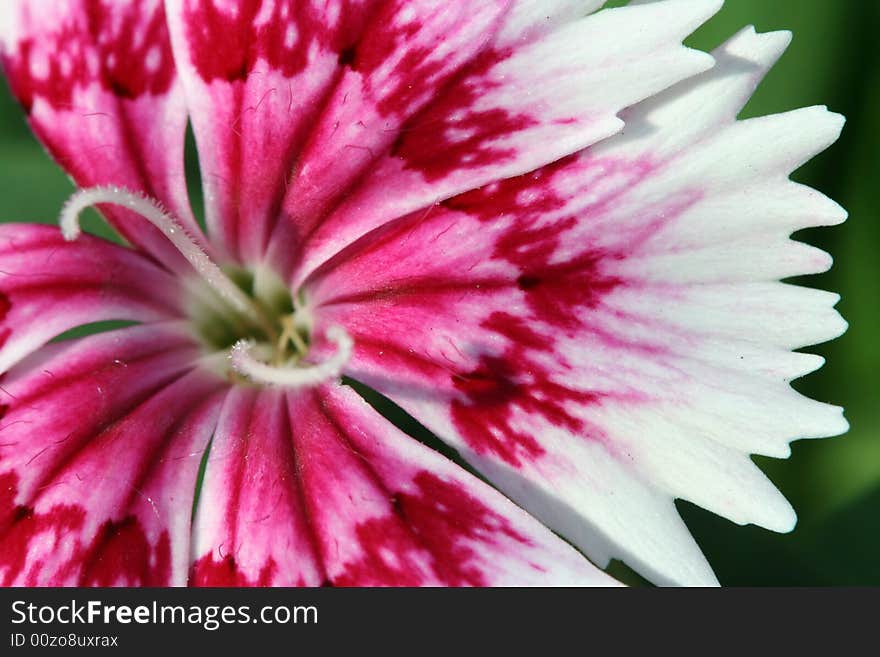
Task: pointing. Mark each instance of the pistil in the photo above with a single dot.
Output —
(294, 377)
(153, 212)
(286, 368)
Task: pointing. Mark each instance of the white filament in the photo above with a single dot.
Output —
(293, 377)
(153, 212)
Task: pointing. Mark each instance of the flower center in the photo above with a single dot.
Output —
(251, 317)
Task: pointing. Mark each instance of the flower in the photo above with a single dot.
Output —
(536, 227)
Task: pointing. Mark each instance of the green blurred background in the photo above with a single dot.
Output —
(833, 484)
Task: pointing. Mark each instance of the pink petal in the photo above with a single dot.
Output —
(606, 334)
(100, 443)
(313, 487)
(251, 528)
(256, 74)
(98, 83)
(49, 285)
(387, 511)
(409, 52)
(529, 97)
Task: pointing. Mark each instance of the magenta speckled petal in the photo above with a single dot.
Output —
(101, 443)
(99, 85)
(514, 108)
(316, 487)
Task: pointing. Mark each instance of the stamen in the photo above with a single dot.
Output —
(290, 333)
(152, 211)
(294, 377)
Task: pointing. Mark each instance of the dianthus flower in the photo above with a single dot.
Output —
(535, 226)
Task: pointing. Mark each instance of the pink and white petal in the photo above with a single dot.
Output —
(97, 80)
(386, 510)
(93, 479)
(163, 505)
(361, 540)
(515, 109)
(256, 74)
(251, 526)
(410, 51)
(606, 334)
(49, 285)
